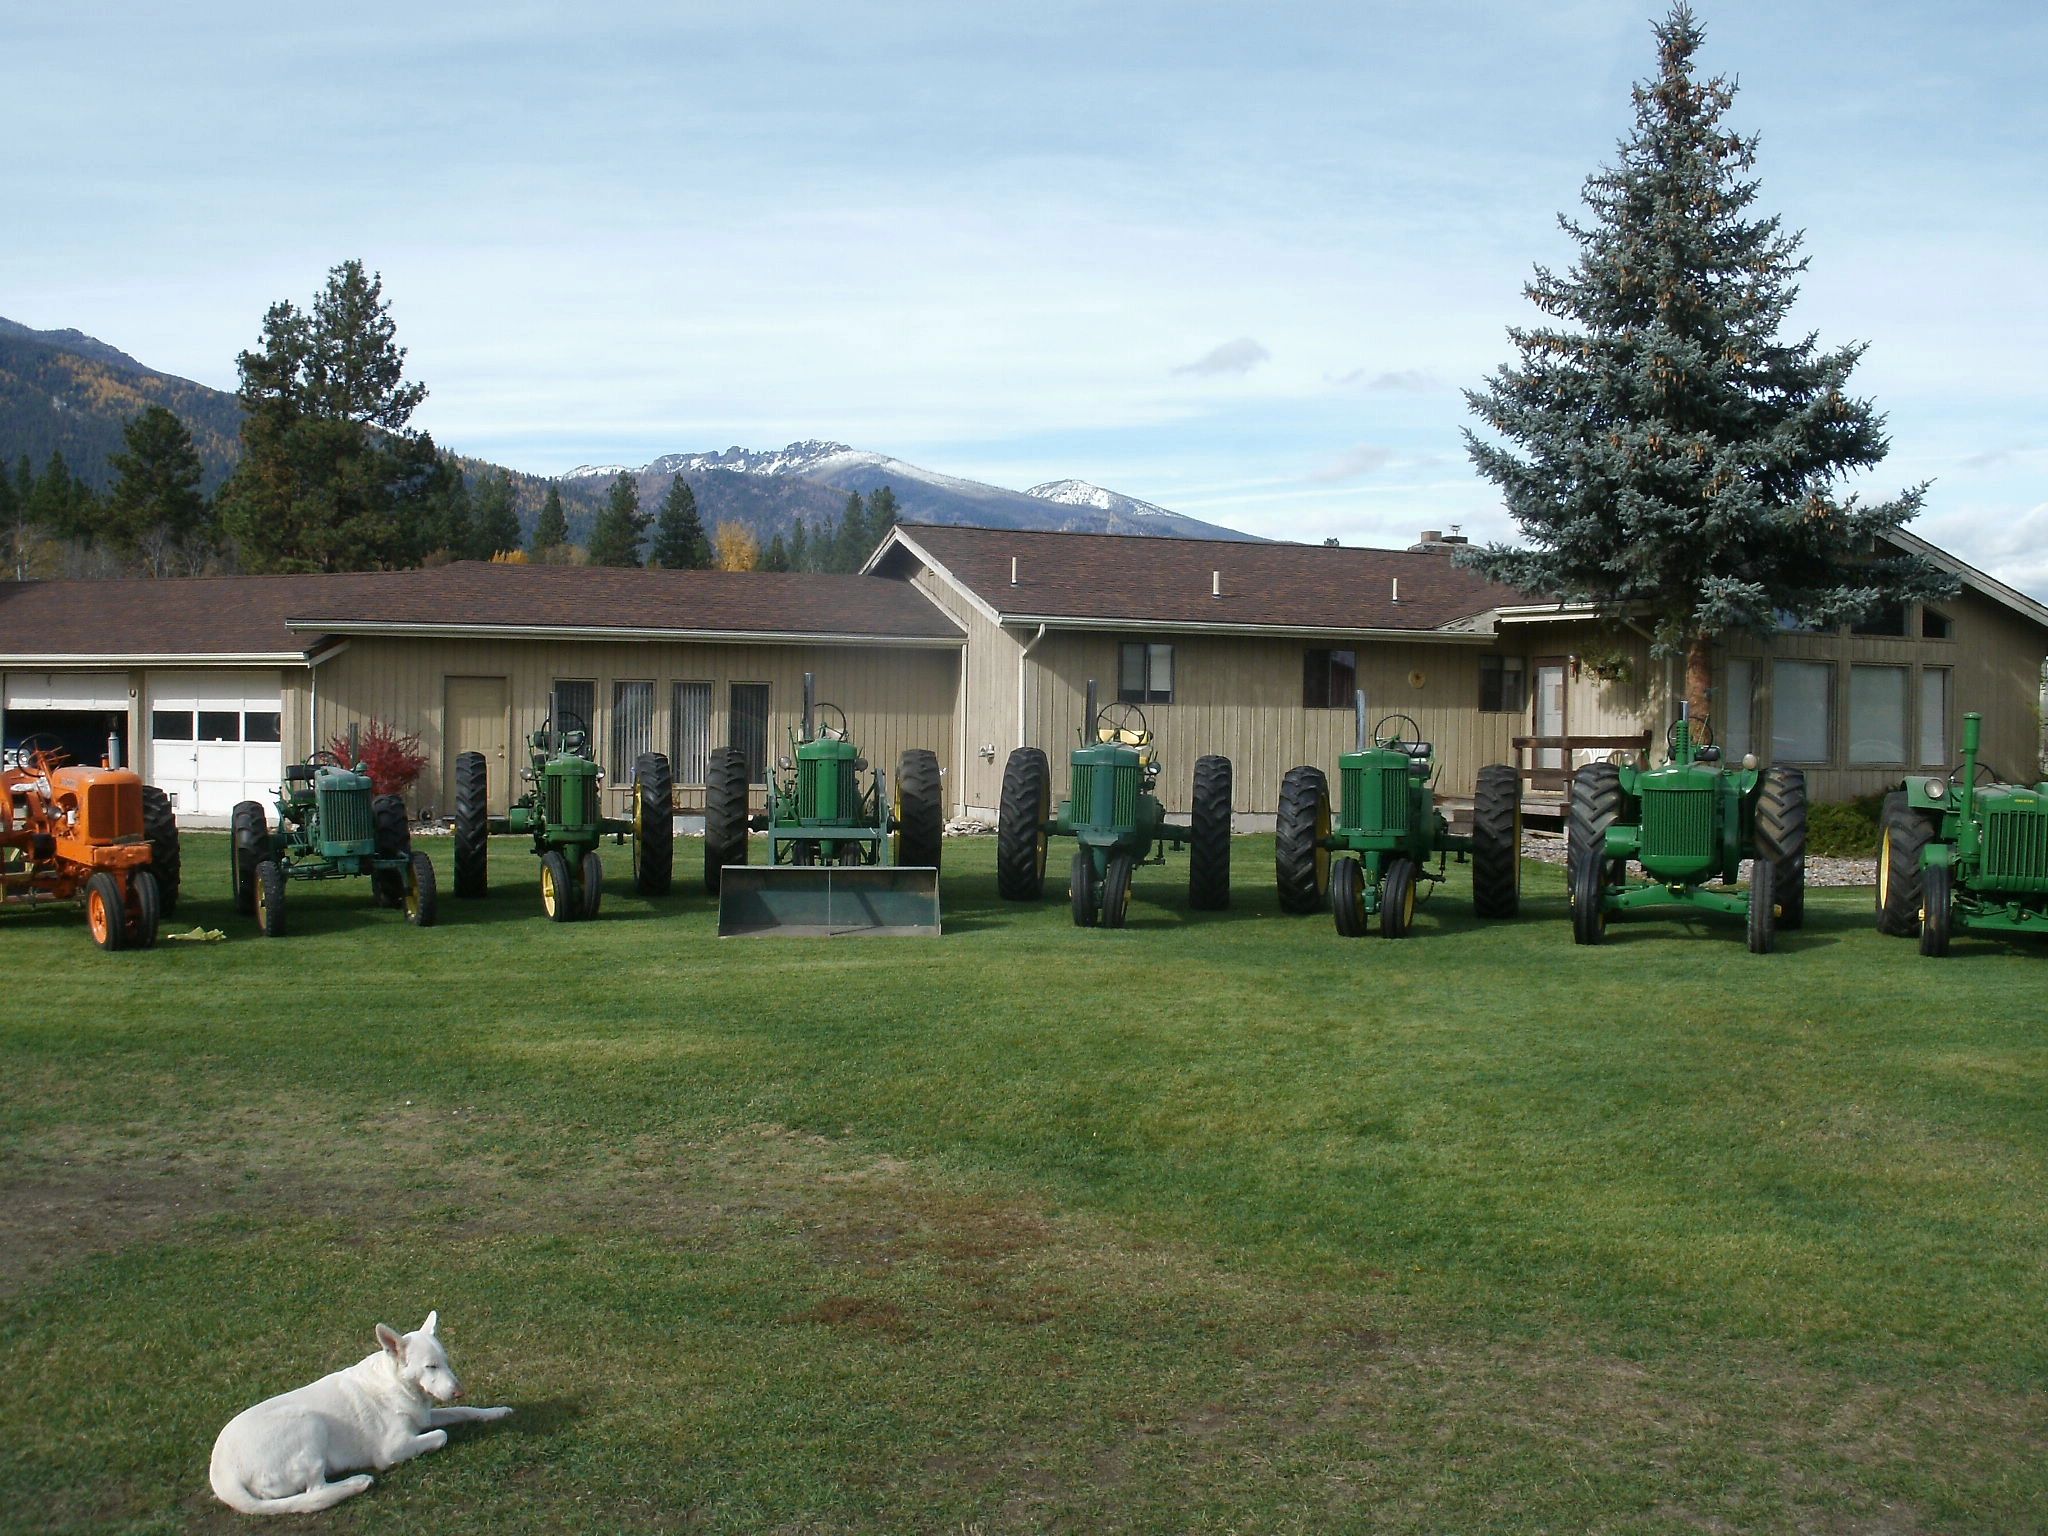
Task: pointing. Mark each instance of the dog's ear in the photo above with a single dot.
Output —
(391, 1343)
(433, 1321)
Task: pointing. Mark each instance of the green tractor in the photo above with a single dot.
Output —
(1389, 821)
(331, 825)
(1963, 850)
(562, 812)
(849, 850)
(1693, 820)
(1113, 813)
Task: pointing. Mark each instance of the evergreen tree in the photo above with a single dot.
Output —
(777, 557)
(882, 516)
(679, 542)
(799, 548)
(1679, 459)
(496, 527)
(615, 536)
(446, 520)
(61, 506)
(156, 511)
(330, 477)
(551, 528)
(849, 537)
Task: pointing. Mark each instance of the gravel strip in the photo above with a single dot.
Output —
(1548, 848)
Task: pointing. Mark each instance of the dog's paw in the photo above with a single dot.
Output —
(494, 1413)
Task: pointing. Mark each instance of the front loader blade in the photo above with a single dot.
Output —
(827, 900)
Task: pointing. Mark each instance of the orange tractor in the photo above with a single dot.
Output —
(99, 833)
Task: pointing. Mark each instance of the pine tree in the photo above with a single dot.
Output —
(777, 557)
(849, 538)
(551, 528)
(61, 505)
(615, 536)
(679, 542)
(799, 548)
(447, 519)
(1680, 459)
(156, 510)
(882, 516)
(496, 528)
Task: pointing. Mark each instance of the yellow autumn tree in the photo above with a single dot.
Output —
(735, 548)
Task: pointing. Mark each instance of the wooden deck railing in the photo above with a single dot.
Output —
(1567, 747)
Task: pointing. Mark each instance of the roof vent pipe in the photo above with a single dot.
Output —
(1397, 589)
(1013, 570)
(1215, 583)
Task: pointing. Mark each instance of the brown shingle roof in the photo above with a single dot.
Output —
(287, 615)
(1108, 577)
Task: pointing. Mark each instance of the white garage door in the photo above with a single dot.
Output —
(213, 739)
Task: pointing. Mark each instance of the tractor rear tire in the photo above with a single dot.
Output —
(1347, 897)
(920, 809)
(1902, 834)
(1586, 874)
(394, 841)
(1020, 826)
(1116, 891)
(160, 828)
(1397, 899)
(1937, 908)
(106, 914)
(269, 883)
(1301, 864)
(248, 844)
(1781, 837)
(725, 813)
(654, 824)
(472, 826)
(590, 888)
(1497, 842)
(557, 890)
(1763, 906)
(1595, 806)
(1081, 890)
(422, 894)
(149, 910)
(1209, 836)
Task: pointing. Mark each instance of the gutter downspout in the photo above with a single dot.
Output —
(1020, 682)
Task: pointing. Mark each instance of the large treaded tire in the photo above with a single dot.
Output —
(725, 813)
(1937, 909)
(920, 809)
(1902, 834)
(1209, 836)
(248, 846)
(1595, 806)
(1586, 877)
(394, 840)
(1020, 825)
(1397, 899)
(1301, 864)
(472, 825)
(1781, 838)
(1764, 918)
(1497, 842)
(160, 829)
(654, 824)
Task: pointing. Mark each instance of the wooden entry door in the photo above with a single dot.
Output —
(479, 720)
(1550, 711)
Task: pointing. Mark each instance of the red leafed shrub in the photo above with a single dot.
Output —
(391, 760)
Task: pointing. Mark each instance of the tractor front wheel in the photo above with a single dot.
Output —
(1209, 836)
(160, 830)
(1763, 906)
(1082, 893)
(472, 826)
(1020, 826)
(146, 899)
(920, 809)
(1497, 842)
(269, 883)
(1937, 908)
(394, 841)
(590, 893)
(1116, 891)
(1347, 897)
(1781, 838)
(1586, 871)
(557, 890)
(1902, 836)
(422, 898)
(1397, 899)
(247, 843)
(1301, 856)
(654, 824)
(725, 814)
(106, 914)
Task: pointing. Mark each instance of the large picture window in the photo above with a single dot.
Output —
(1802, 711)
(1144, 673)
(750, 728)
(1328, 679)
(632, 727)
(1877, 715)
(1936, 744)
(1503, 685)
(690, 732)
(572, 704)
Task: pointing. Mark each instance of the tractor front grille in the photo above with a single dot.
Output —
(113, 809)
(1678, 823)
(551, 797)
(2016, 850)
(1375, 800)
(1126, 779)
(345, 816)
(827, 789)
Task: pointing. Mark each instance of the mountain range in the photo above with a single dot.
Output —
(65, 391)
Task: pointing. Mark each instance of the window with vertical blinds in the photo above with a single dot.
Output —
(750, 728)
(632, 727)
(690, 732)
(1935, 744)
(572, 705)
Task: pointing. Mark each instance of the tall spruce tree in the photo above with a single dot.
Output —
(496, 526)
(679, 541)
(882, 516)
(621, 525)
(1679, 460)
(446, 520)
(776, 558)
(156, 512)
(847, 538)
(799, 547)
(551, 528)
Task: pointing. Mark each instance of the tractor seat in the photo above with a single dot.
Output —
(298, 771)
(1415, 749)
(1707, 755)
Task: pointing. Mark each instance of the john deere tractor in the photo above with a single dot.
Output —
(562, 812)
(849, 850)
(1963, 850)
(1111, 810)
(1374, 859)
(331, 825)
(1693, 820)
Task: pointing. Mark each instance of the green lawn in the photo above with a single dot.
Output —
(1219, 1223)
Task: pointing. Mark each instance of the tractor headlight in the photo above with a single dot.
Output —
(860, 765)
(1936, 788)
(784, 763)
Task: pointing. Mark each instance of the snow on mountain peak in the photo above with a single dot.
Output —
(1079, 493)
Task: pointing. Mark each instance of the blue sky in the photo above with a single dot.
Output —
(1237, 259)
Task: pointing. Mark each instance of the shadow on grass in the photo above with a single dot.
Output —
(541, 1420)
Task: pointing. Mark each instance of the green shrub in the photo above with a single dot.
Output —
(1844, 829)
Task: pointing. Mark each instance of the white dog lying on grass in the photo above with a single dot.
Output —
(276, 1458)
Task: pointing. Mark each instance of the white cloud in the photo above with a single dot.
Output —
(1239, 356)
(1352, 463)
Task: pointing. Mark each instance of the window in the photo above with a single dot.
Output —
(170, 724)
(1877, 715)
(1935, 744)
(1733, 723)
(1935, 625)
(1885, 619)
(750, 728)
(1802, 711)
(1790, 623)
(571, 705)
(632, 727)
(690, 732)
(1328, 679)
(1503, 685)
(220, 725)
(1144, 673)
(260, 725)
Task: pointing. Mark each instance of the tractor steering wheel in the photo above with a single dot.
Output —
(42, 751)
(843, 734)
(571, 721)
(1120, 723)
(1702, 733)
(1986, 774)
(1379, 732)
(323, 758)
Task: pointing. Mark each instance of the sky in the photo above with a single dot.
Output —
(1237, 259)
